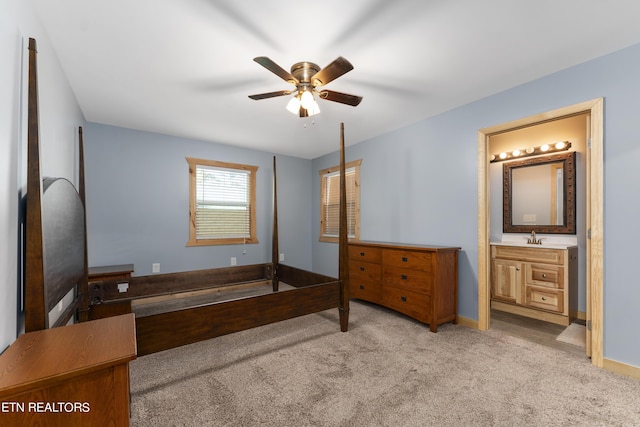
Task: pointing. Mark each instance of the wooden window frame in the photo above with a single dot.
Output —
(193, 240)
(324, 173)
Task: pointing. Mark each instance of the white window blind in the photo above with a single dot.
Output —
(331, 203)
(223, 203)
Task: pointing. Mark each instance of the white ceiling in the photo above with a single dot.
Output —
(185, 67)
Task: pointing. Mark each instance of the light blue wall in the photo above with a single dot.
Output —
(419, 184)
(60, 117)
(138, 202)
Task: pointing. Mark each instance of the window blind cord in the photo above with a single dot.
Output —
(244, 246)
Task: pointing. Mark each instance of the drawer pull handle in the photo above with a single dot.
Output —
(361, 268)
(544, 298)
(544, 275)
(403, 277)
(361, 286)
(361, 253)
(405, 259)
(403, 298)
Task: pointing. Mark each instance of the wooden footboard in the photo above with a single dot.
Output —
(168, 330)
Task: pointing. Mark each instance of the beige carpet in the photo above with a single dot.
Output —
(575, 334)
(388, 370)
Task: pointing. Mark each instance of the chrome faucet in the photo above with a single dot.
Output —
(532, 240)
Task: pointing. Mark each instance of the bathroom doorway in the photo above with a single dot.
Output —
(591, 226)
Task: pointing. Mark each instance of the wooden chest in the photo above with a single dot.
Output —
(419, 281)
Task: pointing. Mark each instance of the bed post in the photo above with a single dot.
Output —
(343, 260)
(83, 286)
(274, 238)
(35, 312)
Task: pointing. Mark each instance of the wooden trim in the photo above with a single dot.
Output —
(595, 223)
(484, 258)
(621, 368)
(595, 206)
(469, 323)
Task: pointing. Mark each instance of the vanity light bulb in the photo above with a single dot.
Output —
(560, 145)
(530, 150)
(503, 155)
(516, 153)
(544, 148)
(492, 158)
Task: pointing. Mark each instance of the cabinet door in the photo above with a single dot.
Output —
(506, 281)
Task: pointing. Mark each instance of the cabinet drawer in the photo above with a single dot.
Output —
(365, 270)
(365, 289)
(407, 259)
(546, 299)
(551, 276)
(365, 253)
(532, 254)
(410, 303)
(414, 280)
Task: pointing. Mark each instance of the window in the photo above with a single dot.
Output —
(222, 203)
(330, 202)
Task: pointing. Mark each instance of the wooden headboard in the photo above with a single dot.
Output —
(55, 231)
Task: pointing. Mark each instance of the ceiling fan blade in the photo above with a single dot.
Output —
(276, 69)
(343, 98)
(270, 94)
(331, 72)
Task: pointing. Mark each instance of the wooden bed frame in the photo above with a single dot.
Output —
(56, 265)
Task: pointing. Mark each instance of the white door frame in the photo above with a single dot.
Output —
(594, 216)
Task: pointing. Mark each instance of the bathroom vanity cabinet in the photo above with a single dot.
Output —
(535, 281)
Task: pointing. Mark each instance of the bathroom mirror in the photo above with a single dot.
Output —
(539, 195)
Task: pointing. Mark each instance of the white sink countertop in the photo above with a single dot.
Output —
(550, 241)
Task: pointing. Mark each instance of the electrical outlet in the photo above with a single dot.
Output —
(281, 258)
(123, 287)
(155, 267)
(233, 260)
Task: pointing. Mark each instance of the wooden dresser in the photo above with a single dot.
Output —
(76, 375)
(419, 281)
(535, 281)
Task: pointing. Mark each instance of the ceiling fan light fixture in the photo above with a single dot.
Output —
(307, 77)
(306, 99)
(294, 105)
(303, 105)
(314, 109)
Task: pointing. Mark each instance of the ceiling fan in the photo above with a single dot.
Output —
(308, 77)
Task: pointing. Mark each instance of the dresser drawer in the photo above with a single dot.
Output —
(365, 270)
(407, 259)
(365, 289)
(410, 303)
(551, 276)
(365, 253)
(546, 299)
(413, 280)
